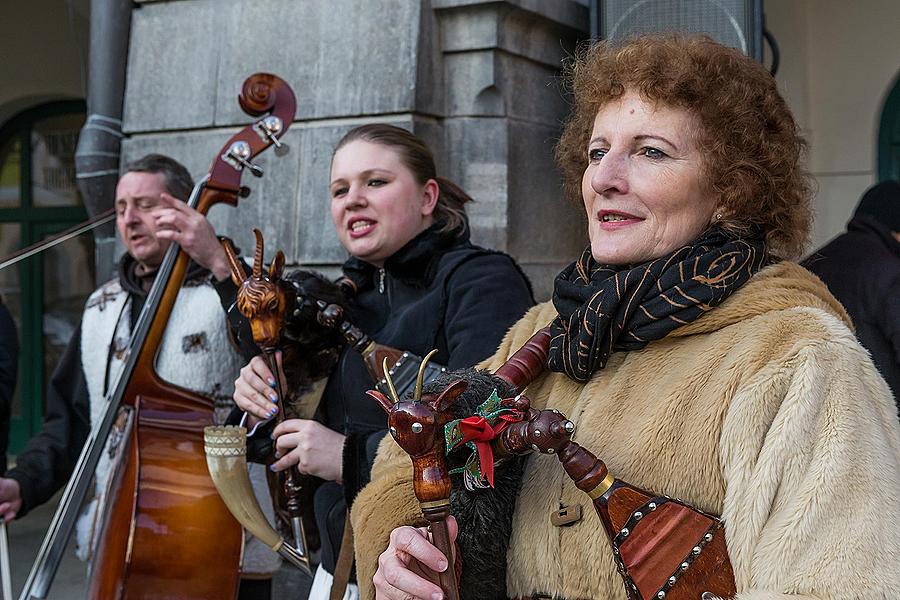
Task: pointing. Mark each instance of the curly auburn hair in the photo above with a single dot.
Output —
(751, 147)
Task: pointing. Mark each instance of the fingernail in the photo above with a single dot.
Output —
(437, 596)
(442, 565)
(272, 468)
(273, 397)
(273, 411)
(278, 455)
(271, 382)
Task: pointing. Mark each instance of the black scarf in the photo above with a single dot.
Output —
(605, 308)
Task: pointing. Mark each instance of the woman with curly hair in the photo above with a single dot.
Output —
(694, 358)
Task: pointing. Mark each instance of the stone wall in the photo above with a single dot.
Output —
(477, 80)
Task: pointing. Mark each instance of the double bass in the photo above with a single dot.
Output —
(164, 521)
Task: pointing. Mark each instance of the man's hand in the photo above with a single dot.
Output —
(314, 448)
(180, 223)
(10, 498)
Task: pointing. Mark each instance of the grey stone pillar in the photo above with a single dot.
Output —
(504, 106)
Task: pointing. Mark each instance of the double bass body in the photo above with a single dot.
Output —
(166, 521)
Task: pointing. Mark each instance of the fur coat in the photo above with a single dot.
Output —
(765, 411)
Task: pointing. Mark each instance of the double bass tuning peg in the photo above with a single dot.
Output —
(238, 155)
(268, 129)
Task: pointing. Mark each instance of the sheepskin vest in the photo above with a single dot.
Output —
(195, 354)
(765, 411)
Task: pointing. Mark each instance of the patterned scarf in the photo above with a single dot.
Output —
(605, 308)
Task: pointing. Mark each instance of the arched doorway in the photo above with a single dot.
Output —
(45, 293)
(889, 136)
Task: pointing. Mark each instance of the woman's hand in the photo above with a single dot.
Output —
(254, 391)
(408, 568)
(314, 448)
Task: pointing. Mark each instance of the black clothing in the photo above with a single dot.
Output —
(438, 291)
(9, 372)
(862, 269)
(608, 308)
(47, 461)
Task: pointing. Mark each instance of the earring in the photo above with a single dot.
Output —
(718, 216)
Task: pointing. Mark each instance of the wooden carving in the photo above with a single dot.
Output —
(418, 427)
(262, 298)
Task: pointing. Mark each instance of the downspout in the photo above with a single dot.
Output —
(100, 140)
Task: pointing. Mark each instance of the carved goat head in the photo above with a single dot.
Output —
(418, 424)
(260, 296)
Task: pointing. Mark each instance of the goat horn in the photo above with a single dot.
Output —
(258, 255)
(419, 379)
(387, 377)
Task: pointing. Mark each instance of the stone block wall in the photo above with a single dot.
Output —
(477, 80)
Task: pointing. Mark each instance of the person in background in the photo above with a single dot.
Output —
(9, 371)
(861, 267)
(196, 351)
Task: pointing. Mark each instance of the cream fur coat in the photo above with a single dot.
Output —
(765, 411)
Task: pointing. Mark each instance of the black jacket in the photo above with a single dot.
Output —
(862, 269)
(9, 371)
(438, 291)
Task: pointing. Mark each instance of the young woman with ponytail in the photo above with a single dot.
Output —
(420, 284)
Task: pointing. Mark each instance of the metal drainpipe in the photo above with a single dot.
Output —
(100, 140)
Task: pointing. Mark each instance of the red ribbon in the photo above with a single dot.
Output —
(476, 429)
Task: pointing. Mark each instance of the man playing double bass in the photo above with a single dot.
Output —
(196, 352)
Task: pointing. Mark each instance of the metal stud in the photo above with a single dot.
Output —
(684, 566)
(625, 532)
(661, 595)
(416, 427)
(537, 433)
(535, 448)
(393, 432)
(708, 537)
(638, 516)
(569, 426)
(652, 506)
(695, 550)
(672, 580)
(551, 451)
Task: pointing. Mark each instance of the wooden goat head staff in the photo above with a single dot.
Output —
(260, 297)
(418, 427)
